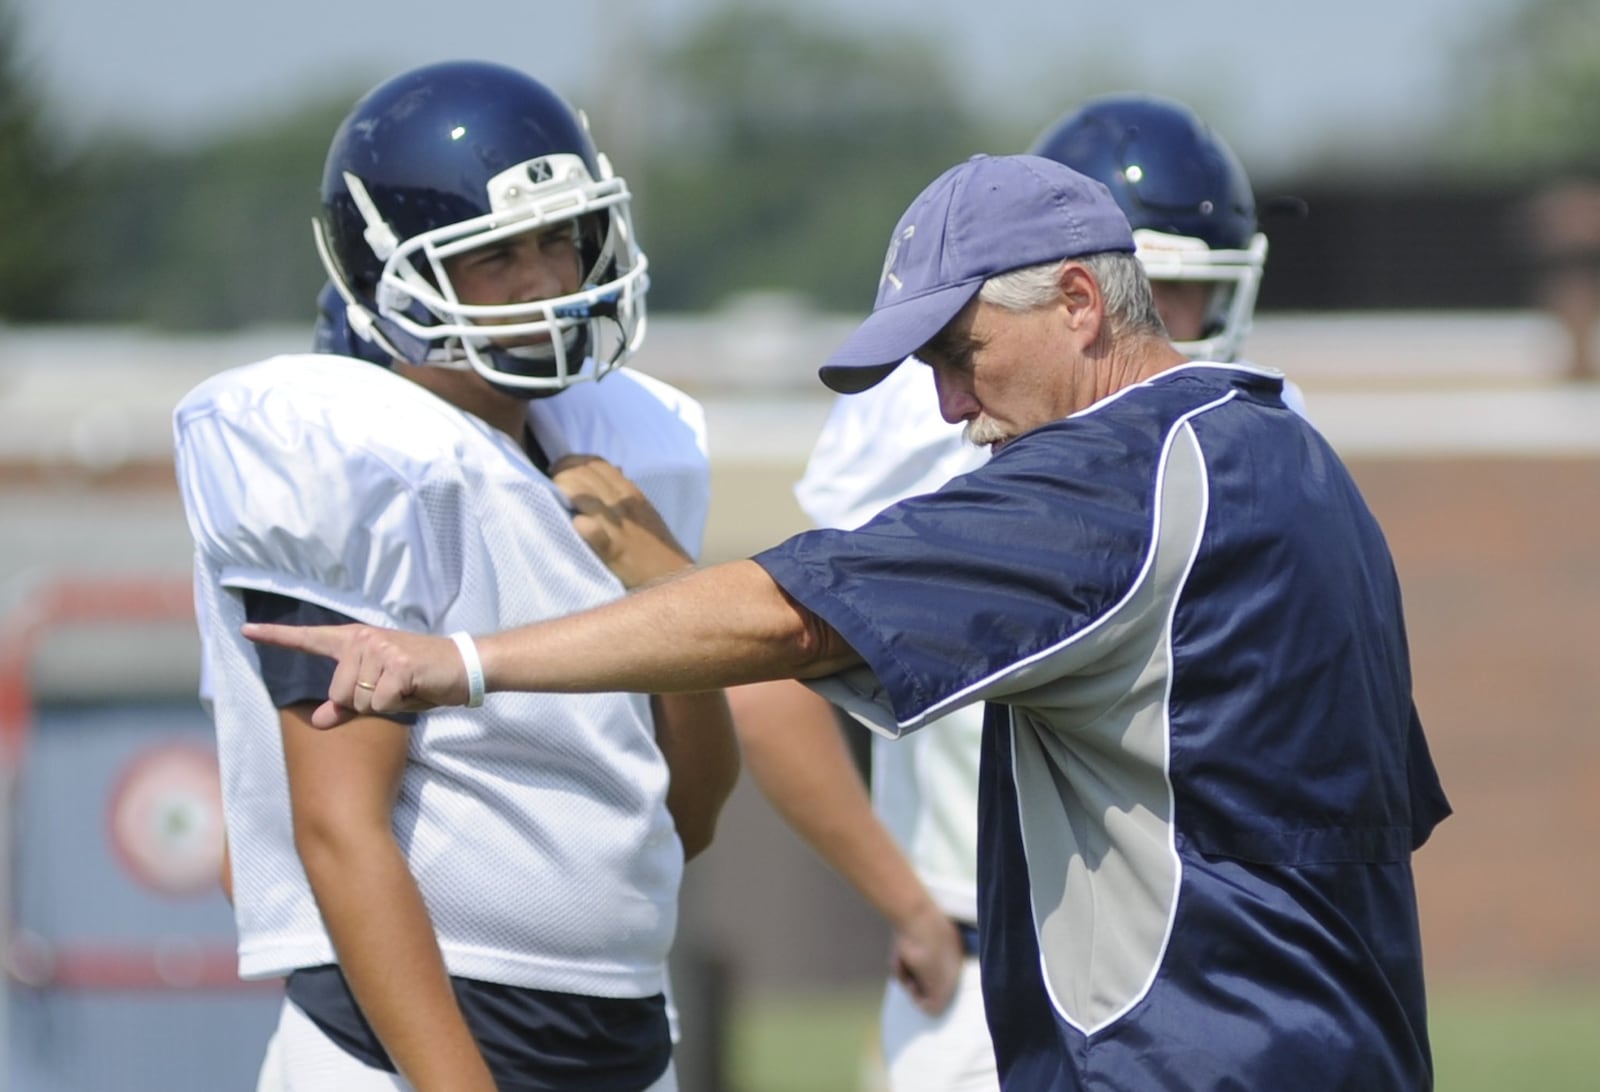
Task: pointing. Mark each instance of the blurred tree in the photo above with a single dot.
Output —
(781, 151)
(213, 237)
(37, 193)
(1529, 105)
(773, 153)
(1531, 120)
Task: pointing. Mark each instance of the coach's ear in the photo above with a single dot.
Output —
(1081, 306)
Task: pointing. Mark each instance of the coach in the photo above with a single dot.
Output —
(1203, 773)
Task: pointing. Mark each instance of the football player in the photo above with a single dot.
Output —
(486, 899)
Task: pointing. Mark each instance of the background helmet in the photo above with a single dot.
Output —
(1186, 196)
(450, 157)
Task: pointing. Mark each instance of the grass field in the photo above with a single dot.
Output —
(808, 1043)
(1517, 1041)
(1547, 1041)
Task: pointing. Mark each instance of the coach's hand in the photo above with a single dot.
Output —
(380, 670)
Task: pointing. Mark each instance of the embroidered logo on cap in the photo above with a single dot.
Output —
(888, 275)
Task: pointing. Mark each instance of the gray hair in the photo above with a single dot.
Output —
(1130, 306)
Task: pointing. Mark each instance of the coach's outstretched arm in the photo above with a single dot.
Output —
(710, 628)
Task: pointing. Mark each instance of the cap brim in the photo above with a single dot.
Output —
(889, 335)
(854, 380)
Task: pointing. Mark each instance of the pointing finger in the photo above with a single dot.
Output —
(329, 641)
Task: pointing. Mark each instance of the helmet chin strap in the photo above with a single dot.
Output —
(534, 362)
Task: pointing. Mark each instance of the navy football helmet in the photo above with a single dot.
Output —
(451, 157)
(332, 332)
(1186, 196)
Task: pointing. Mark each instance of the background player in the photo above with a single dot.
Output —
(1190, 204)
(488, 899)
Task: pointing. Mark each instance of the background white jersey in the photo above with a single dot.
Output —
(876, 448)
(536, 827)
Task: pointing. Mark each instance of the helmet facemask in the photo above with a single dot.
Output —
(1234, 277)
(416, 314)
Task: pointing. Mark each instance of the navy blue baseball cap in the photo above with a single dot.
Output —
(987, 216)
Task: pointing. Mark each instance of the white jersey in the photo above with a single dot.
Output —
(536, 826)
(877, 448)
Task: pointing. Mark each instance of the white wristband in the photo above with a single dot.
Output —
(469, 656)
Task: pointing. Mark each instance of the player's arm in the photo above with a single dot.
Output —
(796, 752)
(694, 730)
(342, 789)
(342, 794)
(225, 870)
(695, 734)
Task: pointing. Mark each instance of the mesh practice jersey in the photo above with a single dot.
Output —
(1203, 774)
(876, 448)
(536, 826)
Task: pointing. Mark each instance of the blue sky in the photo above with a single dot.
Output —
(1281, 80)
